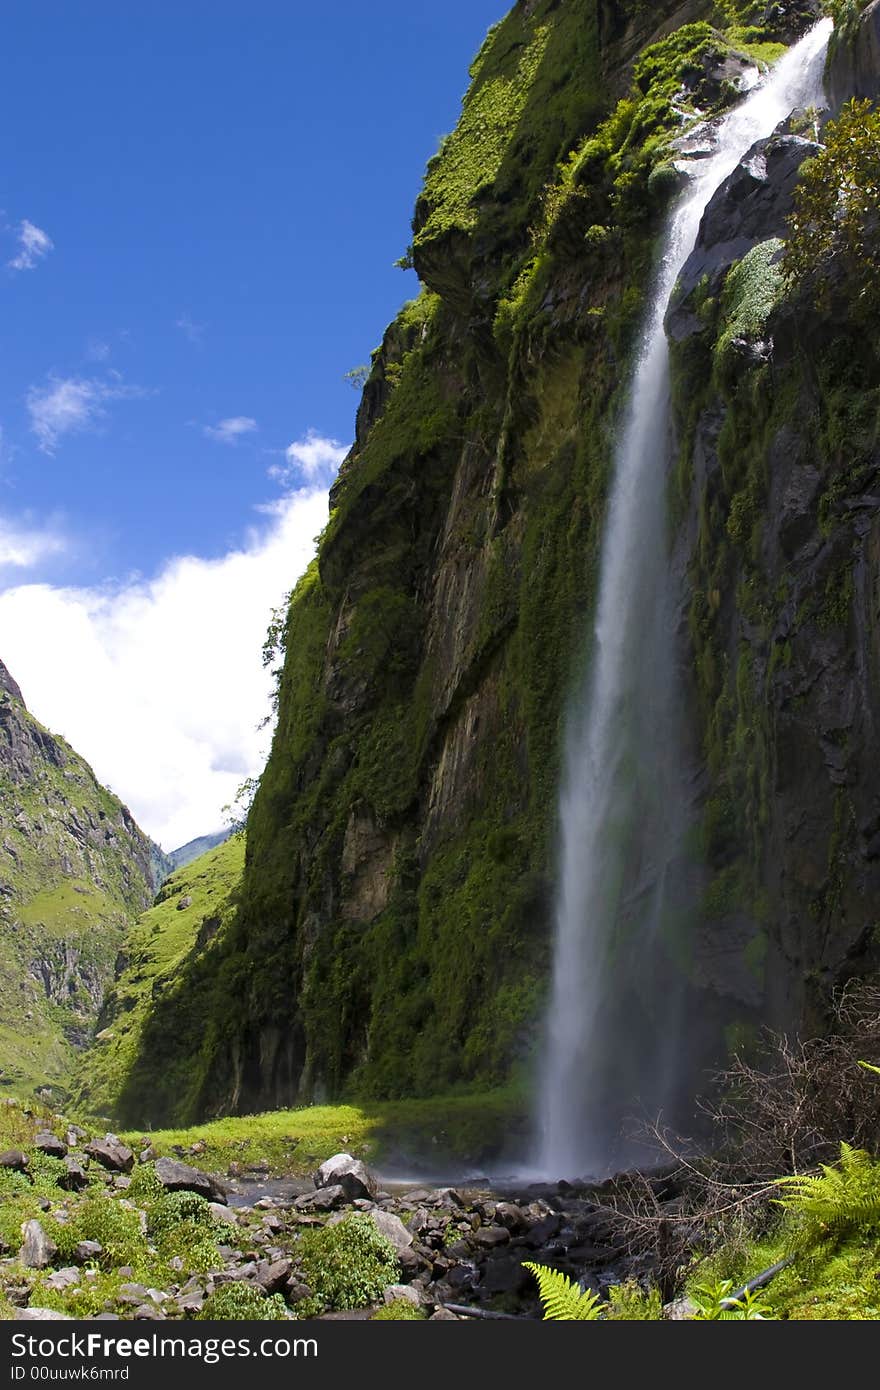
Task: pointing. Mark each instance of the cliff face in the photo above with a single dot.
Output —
(74, 871)
(393, 930)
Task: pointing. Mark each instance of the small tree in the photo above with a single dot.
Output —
(837, 210)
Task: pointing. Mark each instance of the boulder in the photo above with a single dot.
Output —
(63, 1279)
(489, 1237)
(512, 1217)
(74, 1177)
(50, 1144)
(392, 1228)
(325, 1199)
(87, 1251)
(14, 1161)
(111, 1153)
(273, 1275)
(353, 1176)
(180, 1177)
(38, 1250)
(397, 1292)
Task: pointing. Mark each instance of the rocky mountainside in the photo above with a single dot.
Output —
(74, 871)
(393, 927)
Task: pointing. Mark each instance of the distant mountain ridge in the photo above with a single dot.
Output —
(75, 870)
(193, 849)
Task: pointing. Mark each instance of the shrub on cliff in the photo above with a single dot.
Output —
(837, 208)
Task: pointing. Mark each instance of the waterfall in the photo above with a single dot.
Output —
(615, 1038)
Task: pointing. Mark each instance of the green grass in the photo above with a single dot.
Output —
(444, 1128)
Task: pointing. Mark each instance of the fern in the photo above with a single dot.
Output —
(563, 1299)
(842, 1196)
(869, 1066)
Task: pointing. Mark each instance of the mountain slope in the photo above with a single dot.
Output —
(74, 870)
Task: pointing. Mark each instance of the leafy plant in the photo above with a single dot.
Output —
(348, 1264)
(714, 1303)
(241, 1303)
(563, 1299)
(832, 1202)
(401, 1310)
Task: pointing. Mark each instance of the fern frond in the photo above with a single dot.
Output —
(869, 1066)
(842, 1196)
(563, 1299)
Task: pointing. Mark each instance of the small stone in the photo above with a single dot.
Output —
(75, 1135)
(512, 1217)
(223, 1213)
(148, 1155)
(37, 1250)
(183, 903)
(444, 1315)
(273, 1276)
(87, 1251)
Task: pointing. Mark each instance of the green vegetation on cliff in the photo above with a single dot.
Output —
(74, 872)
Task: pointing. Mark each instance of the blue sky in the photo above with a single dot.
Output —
(201, 206)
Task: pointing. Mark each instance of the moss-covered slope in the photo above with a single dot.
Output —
(74, 871)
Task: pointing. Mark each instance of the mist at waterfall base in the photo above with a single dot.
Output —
(616, 1044)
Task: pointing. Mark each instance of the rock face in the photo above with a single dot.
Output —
(393, 930)
(74, 870)
(854, 59)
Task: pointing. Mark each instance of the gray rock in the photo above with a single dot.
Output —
(14, 1160)
(191, 1302)
(40, 1315)
(489, 1237)
(325, 1199)
(63, 1279)
(392, 1228)
(512, 1217)
(853, 68)
(75, 1135)
(87, 1251)
(273, 1275)
(407, 1292)
(50, 1144)
(38, 1250)
(74, 1178)
(353, 1176)
(444, 1315)
(180, 1177)
(111, 1153)
(751, 206)
(220, 1212)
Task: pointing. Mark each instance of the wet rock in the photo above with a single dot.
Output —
(490, 1237)
(180, 1177)
(505, 1275)
(854, 64)
(353, 1176)
(111, 1153)
(512, 1217)
(38, 1249)
(543, 1232)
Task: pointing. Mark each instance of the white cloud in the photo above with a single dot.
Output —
(22, 547)
(312, 458)
(34, 244)
(229, 431)
(69, 404)
(190, 329)
(97, 350)
(159, 683)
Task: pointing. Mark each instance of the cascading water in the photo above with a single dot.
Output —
(614, 1035)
